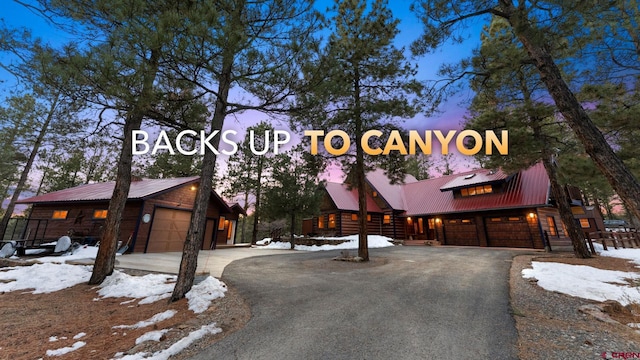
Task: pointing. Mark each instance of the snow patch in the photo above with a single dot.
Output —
(43, 278)
(201, 295)
(155, 335)
(79, 336)
(176, 348)
(585, 281)
(77, 345)
(152, 320)
(149, 288)
(351, 242)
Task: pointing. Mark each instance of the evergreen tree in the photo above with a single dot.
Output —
(368, 83)
(544, 29)
(247, 171)
(294, 192)
(506, 91)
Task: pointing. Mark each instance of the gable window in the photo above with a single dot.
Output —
(553, 230)
(476, 190)
(332, 221)
(354, 217)
(374, 194)
(60, 214)
(321, 222)
(386, 219)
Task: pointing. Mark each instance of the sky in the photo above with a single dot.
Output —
(450, 116)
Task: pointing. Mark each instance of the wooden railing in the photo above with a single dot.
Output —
(618, 240)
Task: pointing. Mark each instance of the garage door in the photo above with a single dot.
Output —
(461, 232)
(508, 231)
(169, 230)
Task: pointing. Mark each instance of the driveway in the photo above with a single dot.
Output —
(407, 303)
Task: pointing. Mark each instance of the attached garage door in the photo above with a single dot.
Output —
(461, 232)
(169, 230)
(508, 231)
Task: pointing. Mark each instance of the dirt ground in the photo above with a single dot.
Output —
(28, 322)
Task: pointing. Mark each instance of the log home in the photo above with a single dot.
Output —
(155, 219)
(477, 208)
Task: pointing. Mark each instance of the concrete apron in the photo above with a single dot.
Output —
(210, 262)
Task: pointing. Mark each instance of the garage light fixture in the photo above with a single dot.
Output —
(532, 215)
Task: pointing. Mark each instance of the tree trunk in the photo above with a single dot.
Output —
(564, 208)
(195, 234)
(256, 206)
(363, 245)
(293, 229)
(27, 167)
(244, 217)
(106, 257)
(618, 175)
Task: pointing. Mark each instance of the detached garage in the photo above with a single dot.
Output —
(156, 217)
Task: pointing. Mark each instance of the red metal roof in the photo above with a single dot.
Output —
(103, 191)
(528, 188)
(346, 199)
(393, 194)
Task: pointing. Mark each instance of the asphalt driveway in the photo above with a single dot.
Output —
(407, 303)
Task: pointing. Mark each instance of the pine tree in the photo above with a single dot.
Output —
(367, 83)
(544, 28)
(506, 91)
(294, 192)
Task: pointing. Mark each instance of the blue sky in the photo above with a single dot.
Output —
(452, 112)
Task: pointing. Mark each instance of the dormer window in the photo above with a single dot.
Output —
(476, 190)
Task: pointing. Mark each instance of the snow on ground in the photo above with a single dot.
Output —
(154, 335)
(202, 294)
(176, 348)
(149, 288)
(151, 321)
(629, 254)
(43, 278)
(77, 345)
(374, 241)
(585, 281)
(588, 282)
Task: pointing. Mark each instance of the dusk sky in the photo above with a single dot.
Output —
(450, 117)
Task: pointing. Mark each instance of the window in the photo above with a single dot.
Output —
(321, 222)
(476, 190)
(100, 214)
(221, 223)
(60, 214)
(369, 217)
(354, 217)
(374, 194)
(453, 221)
(386, 219)
(432, 223)
(496, 219)
(332, 221)
(553, 231)
(514, 218)
(420, 226)
(584, 223)
(466, 221)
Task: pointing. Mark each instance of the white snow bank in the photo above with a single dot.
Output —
(77, 345)
(151, 321)
(43, 278)
(182, 344)
(149, 288)
(201, 295)
(585, 281)
(374, 241)
(84, 252)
